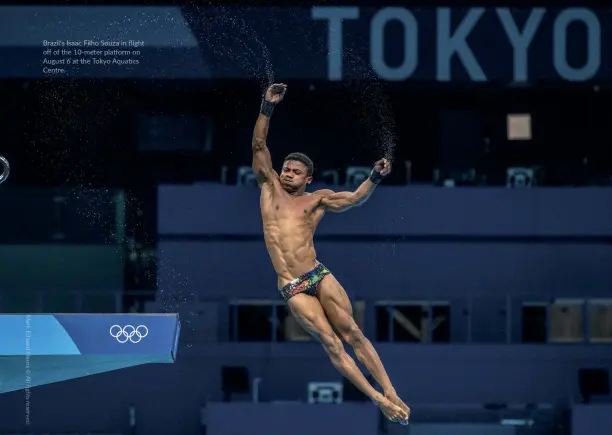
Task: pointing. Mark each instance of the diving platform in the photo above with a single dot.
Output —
(40, 349)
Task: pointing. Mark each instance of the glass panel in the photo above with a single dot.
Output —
(382, 323)
(410, 323)
(253, 322)
(566, 321)
(441, 321)
(533, 323)
(600, 320)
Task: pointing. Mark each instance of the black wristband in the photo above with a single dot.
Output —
(376, 177)
(266, 108)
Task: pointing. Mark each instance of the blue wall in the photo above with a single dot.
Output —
(405, 243)
(216, 209)
(593, 419)
(280, 419)
(401, 270)
(168, 397)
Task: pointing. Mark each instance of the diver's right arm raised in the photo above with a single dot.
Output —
(262, 161)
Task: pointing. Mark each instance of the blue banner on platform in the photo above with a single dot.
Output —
(40, 349)
(89, 335)
(330, 43)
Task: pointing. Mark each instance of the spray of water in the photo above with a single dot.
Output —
(232, 40)
(375, 108)
(71, 138)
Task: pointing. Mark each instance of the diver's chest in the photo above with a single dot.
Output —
(291, 209)
(284, 207)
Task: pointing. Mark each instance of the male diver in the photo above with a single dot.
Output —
(314, 296)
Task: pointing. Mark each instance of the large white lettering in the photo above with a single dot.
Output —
(452, 43)
(449, 44)
(520, 41)
(593, 61)
(377, 43)
(334, 17)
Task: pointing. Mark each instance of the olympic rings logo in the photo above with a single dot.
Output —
(129, 333)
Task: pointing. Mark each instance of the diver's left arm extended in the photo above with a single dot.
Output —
(342, 201)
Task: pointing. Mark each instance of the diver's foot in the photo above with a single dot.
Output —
(394, 398)
(392, 411)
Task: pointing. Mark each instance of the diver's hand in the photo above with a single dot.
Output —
(275, 93)
(383, 166)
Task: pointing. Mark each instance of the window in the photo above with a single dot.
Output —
(409, 323)
(534, 322)
(383, 323)
(566, 321)
(417, 322)
(251, 320)
(600, 320)
(440, 324)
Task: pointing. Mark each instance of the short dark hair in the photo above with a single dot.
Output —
(302, 158)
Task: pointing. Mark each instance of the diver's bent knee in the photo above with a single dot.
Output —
(354, 336)
(332, 344)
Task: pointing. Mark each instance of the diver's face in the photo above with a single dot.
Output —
(294, 176)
